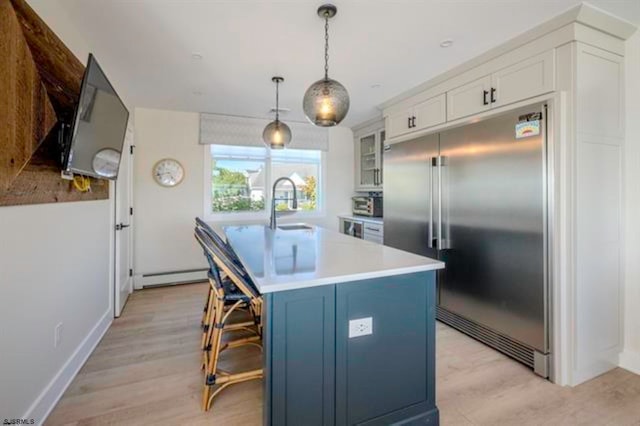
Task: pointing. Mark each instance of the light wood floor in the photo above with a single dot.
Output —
(145, 371)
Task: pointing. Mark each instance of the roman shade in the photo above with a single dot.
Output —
(217, 129)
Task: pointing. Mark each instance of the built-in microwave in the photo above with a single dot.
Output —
(367, 206)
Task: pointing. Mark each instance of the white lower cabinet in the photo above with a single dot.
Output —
(373, 232)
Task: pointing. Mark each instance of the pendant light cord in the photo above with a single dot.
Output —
(326, 46)
(277, 100)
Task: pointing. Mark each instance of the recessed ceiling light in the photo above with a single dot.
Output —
(447, 42)
(196, 56)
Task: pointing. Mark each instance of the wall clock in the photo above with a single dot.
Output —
(168, 172)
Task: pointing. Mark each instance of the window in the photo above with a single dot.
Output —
(240, 179)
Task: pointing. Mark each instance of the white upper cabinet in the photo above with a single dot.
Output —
(469, 99)
(526, 79)
(369, 148)
(429, 113)
(399, 123)
(472, 93)
(421, 114)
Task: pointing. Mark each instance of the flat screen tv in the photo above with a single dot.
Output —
(92, 145)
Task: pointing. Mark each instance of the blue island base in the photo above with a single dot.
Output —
(316, 375)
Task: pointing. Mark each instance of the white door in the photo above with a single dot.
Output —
(469, 99)
(123, 232)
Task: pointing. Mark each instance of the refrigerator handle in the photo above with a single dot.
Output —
(432, 164)
(440, 239)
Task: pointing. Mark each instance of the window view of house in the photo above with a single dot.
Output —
(232, 186)
(242, 178)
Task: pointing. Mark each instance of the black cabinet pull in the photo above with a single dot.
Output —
(493, 95)
(485, 93)
(413, 121)
(408, 122)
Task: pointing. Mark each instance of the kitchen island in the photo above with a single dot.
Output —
(349, 327)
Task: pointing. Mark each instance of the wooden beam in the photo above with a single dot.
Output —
(26, 115)
(40, 182)
(60, 70)
(40, 84)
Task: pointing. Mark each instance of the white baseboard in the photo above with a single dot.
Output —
(606, 361)
(176, 277)
(630, 361)
(47, 400)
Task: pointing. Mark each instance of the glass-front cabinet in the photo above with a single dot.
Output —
(369, 146)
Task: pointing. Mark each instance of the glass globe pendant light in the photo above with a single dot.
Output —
(326, 102)
(277, 135)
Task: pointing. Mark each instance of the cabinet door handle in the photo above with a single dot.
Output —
(408, 122)
(493, 95)
(485, 93)
(413, 121)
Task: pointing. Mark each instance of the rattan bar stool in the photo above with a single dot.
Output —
(222, 295)
(229, 296)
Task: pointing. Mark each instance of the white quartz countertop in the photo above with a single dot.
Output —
(291, 259)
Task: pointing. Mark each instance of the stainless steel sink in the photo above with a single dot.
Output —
(294, 227)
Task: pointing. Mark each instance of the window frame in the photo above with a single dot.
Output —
(249, 216)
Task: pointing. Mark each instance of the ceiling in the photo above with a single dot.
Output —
(378, 48)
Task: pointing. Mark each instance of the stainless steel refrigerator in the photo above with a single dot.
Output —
(475, 197)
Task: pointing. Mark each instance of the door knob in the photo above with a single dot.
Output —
(121, 226)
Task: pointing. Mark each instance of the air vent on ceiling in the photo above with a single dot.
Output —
(280, 110)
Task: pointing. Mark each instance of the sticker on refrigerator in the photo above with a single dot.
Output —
(527, 128)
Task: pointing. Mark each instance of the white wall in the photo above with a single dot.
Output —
(630, 358)
(54, 267)
(164, 217)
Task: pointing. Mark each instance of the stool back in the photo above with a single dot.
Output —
(222, 260)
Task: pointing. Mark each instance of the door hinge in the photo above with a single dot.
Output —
(130, 272)
(130, 211)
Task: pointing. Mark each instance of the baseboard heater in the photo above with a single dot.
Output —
(501, 343)
(159, 279)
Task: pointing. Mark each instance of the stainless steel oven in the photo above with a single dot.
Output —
(367, 206)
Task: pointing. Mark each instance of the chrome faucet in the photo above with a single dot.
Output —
(272, 223)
